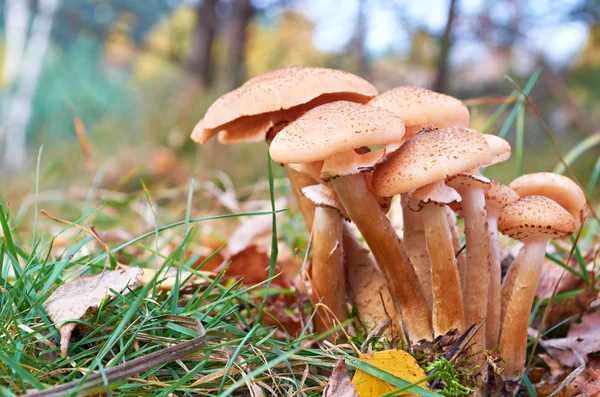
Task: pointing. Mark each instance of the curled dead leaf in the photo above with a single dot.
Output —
(71, 300)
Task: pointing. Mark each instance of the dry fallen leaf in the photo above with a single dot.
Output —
(396, 362)
(581, 341)
(340, 384)
(591, 386)
(551, 274)
(71, 300)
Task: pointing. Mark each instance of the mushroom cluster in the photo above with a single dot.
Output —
(347, 151)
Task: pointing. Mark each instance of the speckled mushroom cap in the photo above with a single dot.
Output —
(334, 128)
(499, 196)
(429, 157)
(557, 187)
(535, 216)
(420, 108)
(499, 147)
(248, 112)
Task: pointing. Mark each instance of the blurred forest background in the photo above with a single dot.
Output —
(113, 88)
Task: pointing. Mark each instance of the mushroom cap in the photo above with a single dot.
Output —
(419, 108)
(499, 147)
(557, 187)
(535, 216)
(429, 157)
(466, 180)
(323, 196)
(334, 128)
(497, 196)
(280, 95)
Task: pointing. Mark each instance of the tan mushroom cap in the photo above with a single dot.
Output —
(535, 216)
(334, 128)
(420, 108)
(429, 157)
(497, 196)
(557, 187)
(466, 179)
(280, 95)
(499, 147)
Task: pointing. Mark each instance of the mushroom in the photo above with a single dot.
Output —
(423, 163)
(476, 275)
(331, 133)
(534, 220)
(327, 269)
(556, 187)
(421, 108)
(496, 198)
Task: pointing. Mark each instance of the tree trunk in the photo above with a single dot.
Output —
(439, 84)
(202, 41)
(19, 107)
(241, 15)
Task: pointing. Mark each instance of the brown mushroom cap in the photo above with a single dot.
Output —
(334, 128)
(557, 187)
(466, 179)
(499, 196)
(419, 108)
(280, 95)
(429, 157)
(534, 216)
(499, 147)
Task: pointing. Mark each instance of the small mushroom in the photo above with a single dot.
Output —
(496, 198)
(332, 132)
(556, 187)
(327, 269)
(476, 275)
(423, 163)
(534, 220)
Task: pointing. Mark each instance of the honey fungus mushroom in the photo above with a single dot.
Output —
(533, 220)
(420, 167)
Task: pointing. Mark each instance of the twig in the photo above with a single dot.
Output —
(125, 370)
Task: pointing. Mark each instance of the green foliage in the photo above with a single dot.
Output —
(446, 373)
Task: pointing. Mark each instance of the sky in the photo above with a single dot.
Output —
(557, 39)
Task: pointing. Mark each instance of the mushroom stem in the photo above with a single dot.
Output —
(416, 247)
(460, 259)
(298, 181)
(513, 340)
(366, 286)
(494, 296)
(327, 269)
(508, 284)
(387, 249)
(448, 311)
(477, 277)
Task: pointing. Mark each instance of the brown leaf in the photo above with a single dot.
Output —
(582, 340)
(71, 300)
(552, 274)
(575, 306)
(591, 386)
(340, 384)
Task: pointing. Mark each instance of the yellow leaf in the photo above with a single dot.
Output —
(396, 362)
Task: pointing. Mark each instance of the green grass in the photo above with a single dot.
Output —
(239, 350)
